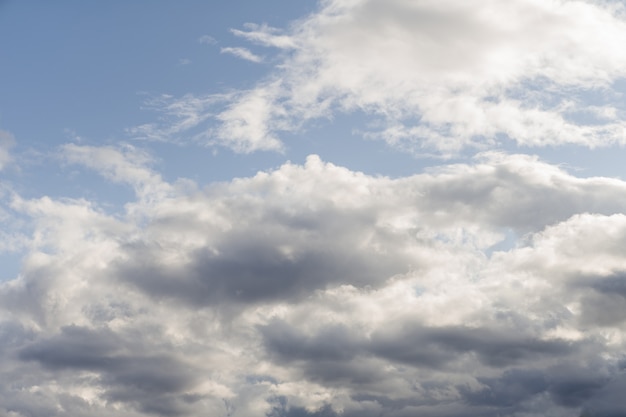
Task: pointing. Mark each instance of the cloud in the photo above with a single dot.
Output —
(206, 39)
(313, 290)
(125, 164)
(242, 53)
(266, 36)
(181, 117)
(148, 379)
(439, 76)
(466, 74)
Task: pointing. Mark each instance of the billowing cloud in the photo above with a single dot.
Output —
(313, 290)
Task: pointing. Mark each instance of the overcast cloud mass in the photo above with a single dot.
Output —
(490, 283)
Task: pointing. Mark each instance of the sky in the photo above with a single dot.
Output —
(327, 208)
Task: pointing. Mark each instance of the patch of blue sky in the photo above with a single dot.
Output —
(581, 161)
(88, 66)
(10, 265)
(584, 162)
(343, 141)
(510, 241)
(82, 71)
(334, 141)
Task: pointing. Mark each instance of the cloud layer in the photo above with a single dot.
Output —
(482, 289)
(493, 287)
(437, 75)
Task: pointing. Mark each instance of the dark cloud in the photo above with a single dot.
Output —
(615, 284)
(602, 298)
(280, 258)
(509, 390)
(343, 357)
(284, 411)
(569, 384)
(150, 382)
(333, 343)
(415, 345)
(340, 356)
(505, 192)
(607, 400)
(74, 347)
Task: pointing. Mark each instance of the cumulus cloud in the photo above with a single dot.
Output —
(313, 290)
(441, 75)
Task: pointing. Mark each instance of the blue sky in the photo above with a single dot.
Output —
(316, 208)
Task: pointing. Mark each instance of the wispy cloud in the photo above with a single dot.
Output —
(242, 53)
(266, 36)
(207, 40)
(438, 77)
(180, 116)
(123, 164)
(454, 73)
(203, 120)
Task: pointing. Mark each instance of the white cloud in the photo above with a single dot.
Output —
(450, 73)
(125, 164)
(435, 76)
(250, 125)
(242, 53)
(315, 289)
(244, 128)
(181, 117)
(266, 36)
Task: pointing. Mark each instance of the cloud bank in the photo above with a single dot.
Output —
(313, 290)
(493, 287)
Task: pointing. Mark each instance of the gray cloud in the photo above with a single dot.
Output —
(313, 290)
(489, 288)
(150, 382)
(436, 346)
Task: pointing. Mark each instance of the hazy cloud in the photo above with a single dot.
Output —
(206, 39)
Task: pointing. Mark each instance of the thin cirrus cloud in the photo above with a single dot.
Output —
(439, 75)
(314, 290)
(242, 53)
